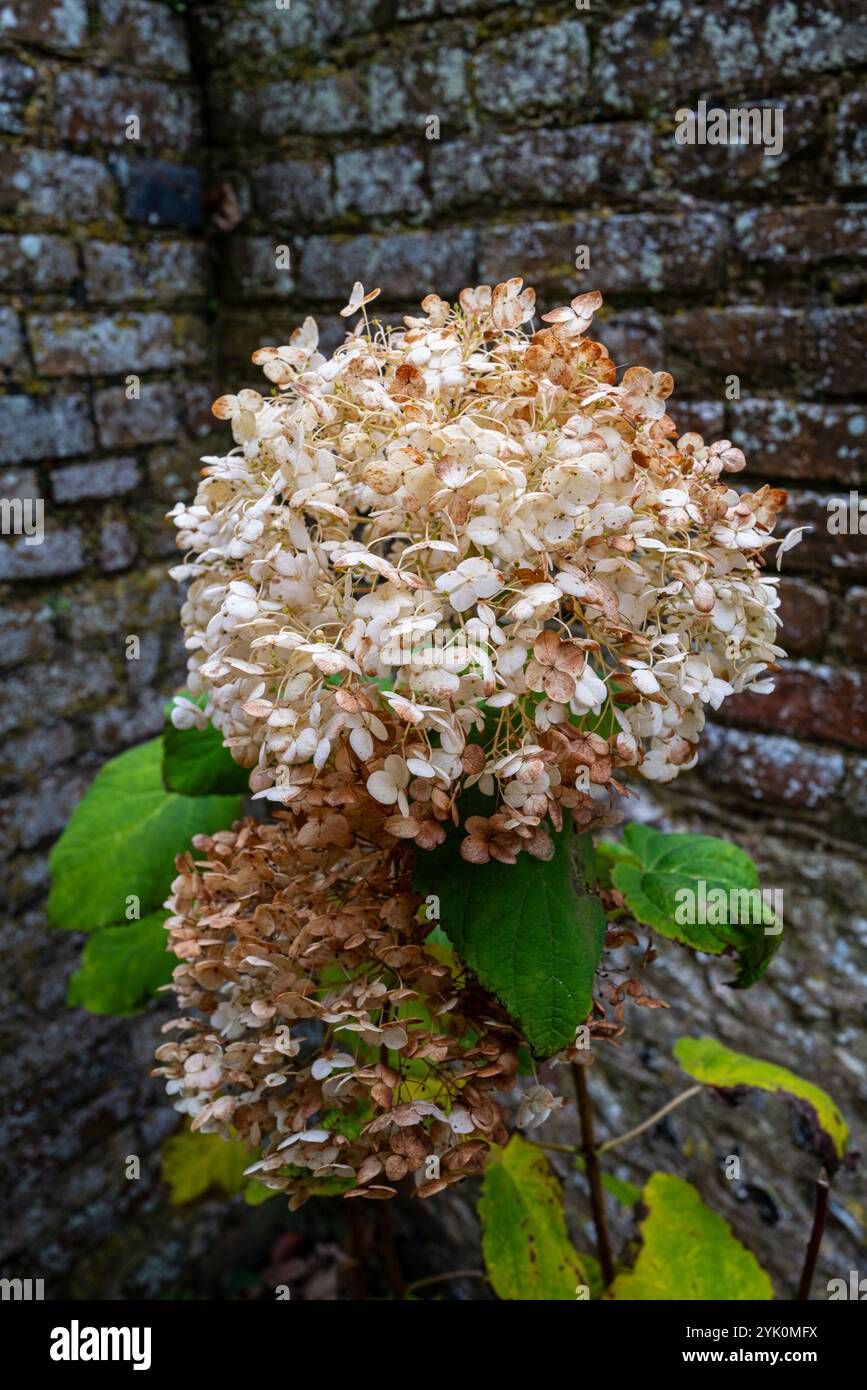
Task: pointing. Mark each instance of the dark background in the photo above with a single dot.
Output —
(306, 128)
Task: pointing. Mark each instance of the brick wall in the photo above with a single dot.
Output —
(555, 131)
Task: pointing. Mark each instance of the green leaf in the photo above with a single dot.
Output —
(194, 1163)
(527, 1250)
(671, 882)
(195, 763)
(123, 967)
(122, 840)
(688, 1252)
(530, 931)
(718, 1066)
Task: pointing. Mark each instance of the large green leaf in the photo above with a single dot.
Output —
(527, 1250)
(194, 1163)
(688, 1252)
(531, 931)
(699, 890)
(718, 1066)
(195, 763)
(123, 967)
(122, 839)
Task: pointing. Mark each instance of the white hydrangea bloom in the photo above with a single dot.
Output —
(451, 541)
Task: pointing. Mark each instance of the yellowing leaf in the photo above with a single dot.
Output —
(193, 1163)
(527, 1250)
(718, 1066)
(688, 1252)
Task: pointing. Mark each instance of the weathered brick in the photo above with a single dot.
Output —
(805, 610)
(19, 482)
(294, 191)
(146, 28)
(38, 263)
(633, 337)
(771, 771)
(253, 271)
(809, 701)
(850, 170)
(853, 624)
(123, 421)
(102, 613)
(713, 171)
(539, 69)
(432, 9)
(633, 253)
(790, 439)
(654, 55)
(838, 347)
(819, 548)
(406, 266)
(706, 418)
(113, 729)
(161, 270)
(537, 165)
(57, 186)
(25, 633)
(333, 105)
(43, 813)
(117, 545)
(173, 471)
(61, 25)
(380, 181)
(197, 397)
(79, 482)
(33, 753)
(56, 426)
(402, 96)
(18, 83)
(11, 346)
(160, 194)
(750, 341)
(796, 237)
(274, 34)
(61, 552)
(71, 344)
(92, 107)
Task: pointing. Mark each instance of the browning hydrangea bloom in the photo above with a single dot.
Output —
(459, 553)
(318, 1027)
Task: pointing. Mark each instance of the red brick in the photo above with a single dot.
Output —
(808, 702)
(836, 349)
(95, 108)
(788, 439)
(805, 610)
(820, 549)
(853, 624)
(771, 770)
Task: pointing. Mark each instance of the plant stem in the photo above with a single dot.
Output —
(558, 1148)
(389, 1249)
(443, 1278)
(594, 1173)
(651, 1120)
(820, 1212)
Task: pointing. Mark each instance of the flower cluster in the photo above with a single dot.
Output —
(459, 553)
(316, 1024)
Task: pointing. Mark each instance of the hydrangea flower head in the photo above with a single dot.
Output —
(459, 553)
